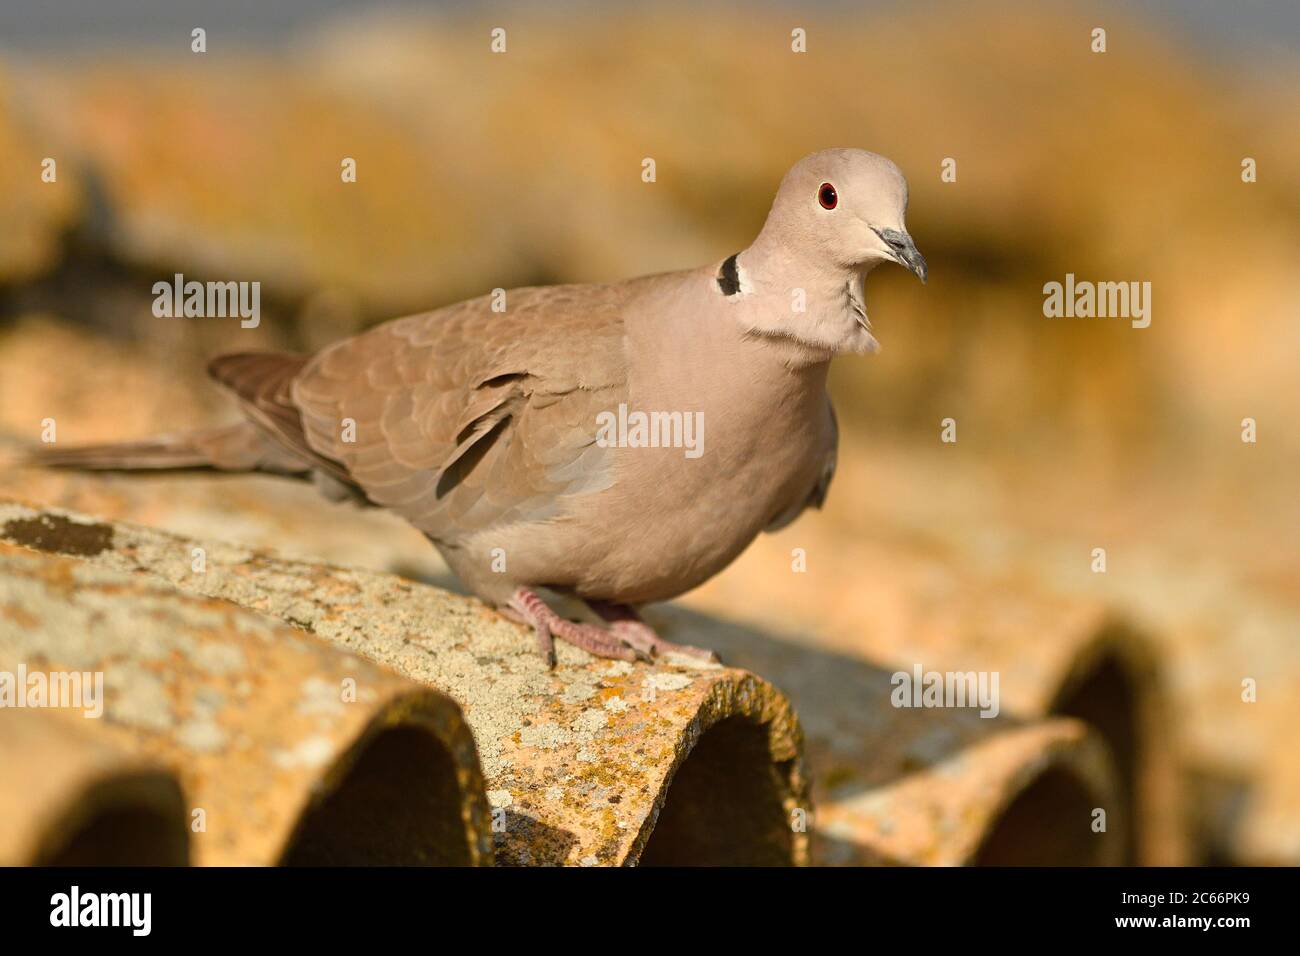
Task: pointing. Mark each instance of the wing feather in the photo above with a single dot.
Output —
(468, 418)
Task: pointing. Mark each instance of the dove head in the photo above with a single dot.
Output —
(837, 215)
(847, 208)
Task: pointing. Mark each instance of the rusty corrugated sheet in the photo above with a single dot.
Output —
(604, 762)
(288, 750)
(595, 763)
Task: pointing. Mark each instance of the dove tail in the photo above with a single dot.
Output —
(232, 448)
(158, 453)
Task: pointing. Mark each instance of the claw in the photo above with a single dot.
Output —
(545, 643)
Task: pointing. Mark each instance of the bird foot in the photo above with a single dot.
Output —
(627, 637)
(548, 625)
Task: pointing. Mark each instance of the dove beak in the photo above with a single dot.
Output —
(905, 252)
(911, 257)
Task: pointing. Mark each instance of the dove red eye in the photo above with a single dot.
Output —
(827, 196)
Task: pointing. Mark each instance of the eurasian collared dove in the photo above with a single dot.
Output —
(492, 431)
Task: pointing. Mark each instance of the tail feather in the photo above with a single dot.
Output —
(158, 453)
(234, 448)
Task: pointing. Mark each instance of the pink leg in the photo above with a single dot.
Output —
(625, 623)
(548, 625)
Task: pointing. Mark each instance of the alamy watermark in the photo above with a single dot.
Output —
(202, 300)
(1103, 300)
(69, 690)
(636, 429)
(922, 688)
(133, 911)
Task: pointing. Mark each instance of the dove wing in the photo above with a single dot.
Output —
(465, 418)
